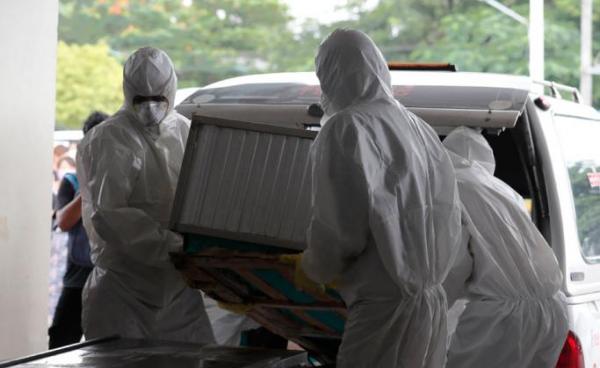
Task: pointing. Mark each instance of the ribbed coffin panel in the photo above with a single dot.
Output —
(246, 182)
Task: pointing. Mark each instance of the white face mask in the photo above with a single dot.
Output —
(151, 112)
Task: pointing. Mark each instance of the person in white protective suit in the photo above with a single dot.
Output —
(128, 169)
(385, 212)
(515, 315)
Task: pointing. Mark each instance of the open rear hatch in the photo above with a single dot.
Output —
(440, 106)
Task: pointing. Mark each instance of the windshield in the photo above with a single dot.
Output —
(579, 142)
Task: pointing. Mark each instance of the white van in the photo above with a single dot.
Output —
(547, 147)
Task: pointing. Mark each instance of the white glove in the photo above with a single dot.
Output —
(175, 243)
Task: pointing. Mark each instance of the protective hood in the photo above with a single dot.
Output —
(471, 145)
(149, 72)
(351, 70)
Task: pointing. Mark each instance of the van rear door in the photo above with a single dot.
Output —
(577, 175)
(567, 140)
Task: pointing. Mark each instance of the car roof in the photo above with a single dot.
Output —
(569, 108)
(183, 93)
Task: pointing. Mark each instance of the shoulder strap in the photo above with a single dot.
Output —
(72, 178)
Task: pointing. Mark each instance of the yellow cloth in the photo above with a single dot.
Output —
(301, 280)
(333, 284)
(237, 308)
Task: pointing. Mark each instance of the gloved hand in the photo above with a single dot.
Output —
(175, 242)
(301, 280)
(235, 307)
(333, 284)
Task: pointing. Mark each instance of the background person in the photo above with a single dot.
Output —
(66, 324)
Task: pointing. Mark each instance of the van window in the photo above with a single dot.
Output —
(509, 168)
(581, 152)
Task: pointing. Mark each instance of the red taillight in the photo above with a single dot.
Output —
(571, 355)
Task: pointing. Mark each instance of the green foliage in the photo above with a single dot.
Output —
(475, 36)
(399, 26)
(208, 40)
(88, 78)
(480, 39)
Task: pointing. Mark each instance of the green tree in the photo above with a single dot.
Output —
(88, 78)
(472, 40)
(398, 27)
(473, 35)
(208, 40)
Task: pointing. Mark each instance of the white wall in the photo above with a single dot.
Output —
(28, 33)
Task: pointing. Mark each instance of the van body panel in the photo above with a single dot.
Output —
(580, 276)
(581, 282)
(584, 321)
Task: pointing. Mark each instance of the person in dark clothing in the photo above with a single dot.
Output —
(66, 324)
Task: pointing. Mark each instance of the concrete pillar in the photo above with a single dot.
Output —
(28, 34)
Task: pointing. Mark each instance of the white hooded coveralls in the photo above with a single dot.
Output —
(515, 316)
(128, 172)
(386, 217)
